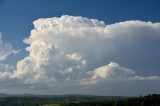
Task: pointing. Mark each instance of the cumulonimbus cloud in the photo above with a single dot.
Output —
(73, 51)
(79, 50)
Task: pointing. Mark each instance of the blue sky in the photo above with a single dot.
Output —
(139, 53)
(16, 17)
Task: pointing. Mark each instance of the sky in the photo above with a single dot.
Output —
(79, 46)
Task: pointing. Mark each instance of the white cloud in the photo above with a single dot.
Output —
(113, 71)
(5, 49)
(74, 56)
(6, 70)
(6, 67)
(68, 53)
(74, 50)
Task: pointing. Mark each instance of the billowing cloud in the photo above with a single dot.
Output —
(76, 50)
(69, 53)
(5, 71)
(114, 71)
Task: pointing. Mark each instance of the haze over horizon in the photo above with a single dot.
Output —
(80, 47)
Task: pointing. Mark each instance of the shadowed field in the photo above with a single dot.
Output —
(52, 105)
(79, 100)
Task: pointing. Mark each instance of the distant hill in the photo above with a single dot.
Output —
(64, 98)
(2, 95)
(68, 95)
